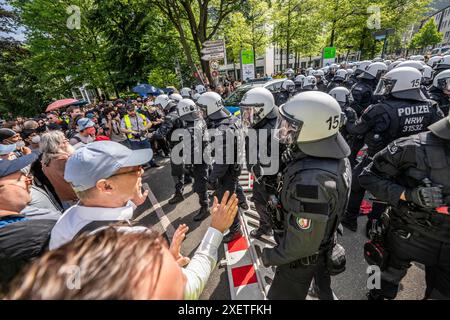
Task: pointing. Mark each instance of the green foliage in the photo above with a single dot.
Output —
(163, 78)
(120, 43)
(427, 36)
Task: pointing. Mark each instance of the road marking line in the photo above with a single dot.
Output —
(165, 222)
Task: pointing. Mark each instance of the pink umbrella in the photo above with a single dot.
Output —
(60, 104)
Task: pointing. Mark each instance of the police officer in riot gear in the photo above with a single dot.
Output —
(428, 74)
(413, 176)
(186, 93)
(298, 81)
(442, 65)
(309, 84)
(321, 83)
(258, 111)
(332, 72)
(287, 90)
(433, 61)
(362, 92)
(224, 175)
(314, 191)
(421, 67)
(338, 80)
(170, 124)
(196, 141)
(176, 97)
(440, 91)
(350, 81)
(404, 111)
(344, 97)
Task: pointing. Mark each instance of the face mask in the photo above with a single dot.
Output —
(20, 144)
(7, 148)
(36, 139)
(90, 131)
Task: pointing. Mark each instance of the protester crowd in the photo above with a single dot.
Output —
(70, 180)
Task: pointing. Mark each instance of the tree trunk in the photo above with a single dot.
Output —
(254, 57)
(333, 33)
(288, 36)
(281, 59)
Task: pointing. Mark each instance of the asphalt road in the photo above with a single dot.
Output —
(351, 285)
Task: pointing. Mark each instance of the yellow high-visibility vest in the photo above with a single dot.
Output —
(128, 124)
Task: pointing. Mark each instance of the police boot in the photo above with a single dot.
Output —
(232, 235)
(202, 214)
(349, 224)
(177, 198)
(374, 295)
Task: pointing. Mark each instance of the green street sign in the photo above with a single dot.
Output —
(329, 53)
(247, 57)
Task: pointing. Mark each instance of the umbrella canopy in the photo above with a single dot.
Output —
(145, 89)
(61, 104)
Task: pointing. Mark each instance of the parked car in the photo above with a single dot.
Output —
(441, 51)
(232, 102)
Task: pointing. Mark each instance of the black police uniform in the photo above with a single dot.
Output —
(322, 86)
(441, 99)
(362, 93)
(350, 82)
(281, 97)
(171, 123)
(264, 185)
(381, 124)
(414, 233)
(199, 171)
(335, 83)
(225, 177)
(329, 77)
(314, 195)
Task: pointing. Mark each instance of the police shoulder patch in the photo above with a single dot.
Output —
(303, 224)
(392, 148)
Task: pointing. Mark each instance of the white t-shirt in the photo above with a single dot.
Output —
(77, 217)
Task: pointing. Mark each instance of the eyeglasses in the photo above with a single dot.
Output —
(28, 181)
(138, 170)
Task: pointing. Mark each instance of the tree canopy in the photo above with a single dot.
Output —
(112, 45)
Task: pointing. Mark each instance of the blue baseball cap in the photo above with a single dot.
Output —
(7, 148)
(100, 160)
(8, 167)
(85, 123)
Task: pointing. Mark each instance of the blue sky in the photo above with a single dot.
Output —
(19, 34)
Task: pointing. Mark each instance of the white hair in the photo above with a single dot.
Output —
(51, 146)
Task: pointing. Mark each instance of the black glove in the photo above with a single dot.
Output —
(426, 197)
(212, 185)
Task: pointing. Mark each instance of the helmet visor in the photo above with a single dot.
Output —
(444, 84)
(287, 129)
(384, 87)
(251, 115)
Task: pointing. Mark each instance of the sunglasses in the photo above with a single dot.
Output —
(138, 170)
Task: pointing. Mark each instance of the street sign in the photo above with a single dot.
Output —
(329, 56)
(216, 49)
(381, 35)
(215, 74)
(213, 43)
(213, 56)
(247, 64)
(329, 53)
(214, 65)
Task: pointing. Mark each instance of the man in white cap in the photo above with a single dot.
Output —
(107, 178)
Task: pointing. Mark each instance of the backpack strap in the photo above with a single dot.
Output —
(96, 226)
